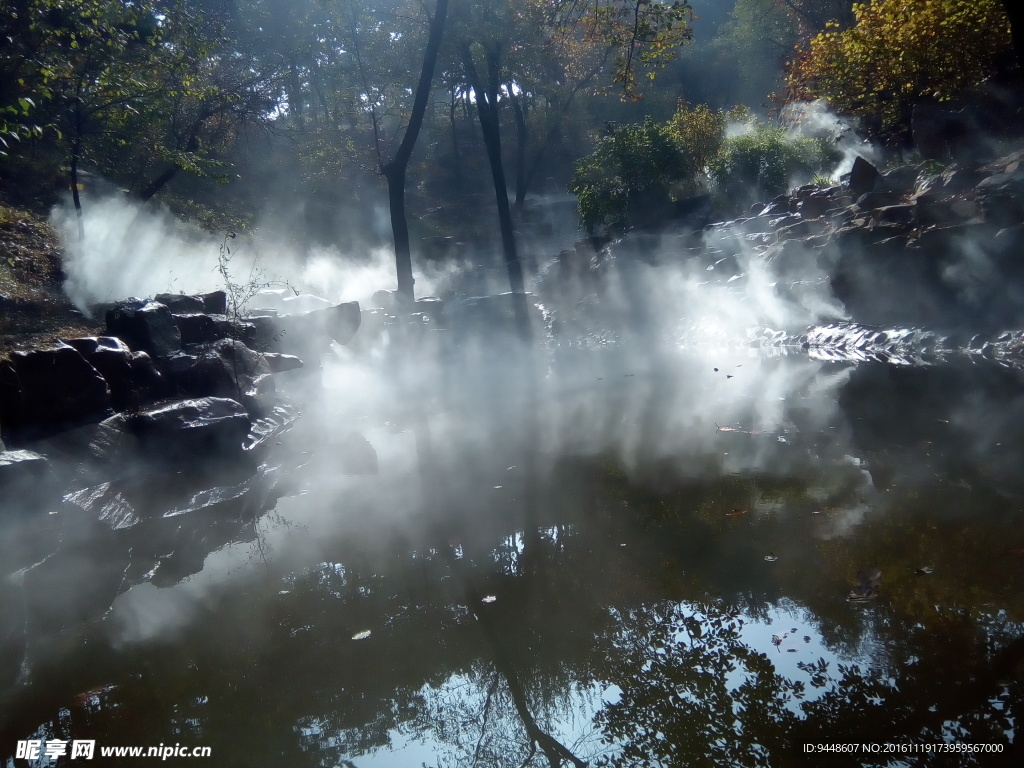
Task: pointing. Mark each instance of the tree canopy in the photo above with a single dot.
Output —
(899, 53)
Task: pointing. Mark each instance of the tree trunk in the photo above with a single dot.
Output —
(395, 170)
(490, 127)
(75, 196)
(522, 137)
(456, 154)
(395, 176)
(158, 183)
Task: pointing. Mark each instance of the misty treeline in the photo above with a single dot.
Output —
(316, 112)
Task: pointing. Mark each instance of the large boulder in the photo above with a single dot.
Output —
(58, 385)
(1001, 198)
(19, 470)
(146, 326)
(227, 368)
(185, 428)
(113, 359)
(199, 328)
(179, 303)
(863, 177)
(213, 303)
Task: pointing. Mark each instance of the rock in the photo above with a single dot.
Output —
(1000, 198)
(386, 300)
(19, 470)
(777, 207)
(863, 177)
(58, 385)
(900, 180)
(131, 376)
(430, 307)
(872, 200)
(149, 383)
(815, 205)
(112, 358)
(214, 302)
(895, 214)
(226, 368)
(187, 428)
(145, 326)
(279, 363)
(200, 328)
(179, 303)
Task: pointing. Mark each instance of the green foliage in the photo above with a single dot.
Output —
(642, 167)
(762, 161)
(648, 164)
(631, 163)
(698, 133)
(900, 52)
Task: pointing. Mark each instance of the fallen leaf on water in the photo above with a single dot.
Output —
(362, 635)
(735, 512)
(770, 558)
(489, 599)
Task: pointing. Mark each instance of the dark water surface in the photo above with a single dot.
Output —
(593, 557)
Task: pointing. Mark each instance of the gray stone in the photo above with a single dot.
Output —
(199, 328)
(863, 177)
(279, 363)
(226, 368)
(1000, 198)
(187, 428)
(58, 385)
(19, 469)
(179, 303)
(145, 326)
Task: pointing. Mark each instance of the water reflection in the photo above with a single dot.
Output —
(586, 557)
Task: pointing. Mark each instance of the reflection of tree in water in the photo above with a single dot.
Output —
(479, 717)
(694, 693)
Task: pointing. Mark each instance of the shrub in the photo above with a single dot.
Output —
(900, 52)
(763, 161)
(631, 166)
(699, 133)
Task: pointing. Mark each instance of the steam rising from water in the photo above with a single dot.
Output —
(137, 251)
(813, 120)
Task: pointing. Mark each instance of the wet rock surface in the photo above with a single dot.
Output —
(55, 385)
(208, 426)
(145, 326)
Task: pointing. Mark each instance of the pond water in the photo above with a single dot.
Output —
(616, 554)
